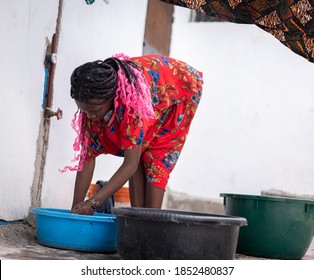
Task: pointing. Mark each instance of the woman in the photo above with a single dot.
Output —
(140, 108)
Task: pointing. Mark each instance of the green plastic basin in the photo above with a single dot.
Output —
(278, 227)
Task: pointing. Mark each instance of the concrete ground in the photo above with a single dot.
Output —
(18, 239)
(18, 242)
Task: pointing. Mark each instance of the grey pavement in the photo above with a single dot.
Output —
(18, 242)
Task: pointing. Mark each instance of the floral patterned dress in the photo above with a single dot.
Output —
(176, 91)
(290, 21)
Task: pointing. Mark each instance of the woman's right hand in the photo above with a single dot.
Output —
(83, 208)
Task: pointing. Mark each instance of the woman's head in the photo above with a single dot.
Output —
(109, 82)
(94, 83)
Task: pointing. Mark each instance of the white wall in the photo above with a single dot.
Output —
(254, 129)
(23, 29)
(87, 33)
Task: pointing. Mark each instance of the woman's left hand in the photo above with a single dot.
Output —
(83, 208)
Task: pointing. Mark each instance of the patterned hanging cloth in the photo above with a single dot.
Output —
(290, 21)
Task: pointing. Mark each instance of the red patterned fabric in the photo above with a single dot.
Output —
(176, 91)
(290, 21)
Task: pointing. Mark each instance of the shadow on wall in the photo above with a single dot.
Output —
(182, 201)
(277, 192)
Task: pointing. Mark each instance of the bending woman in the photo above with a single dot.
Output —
(139, 108)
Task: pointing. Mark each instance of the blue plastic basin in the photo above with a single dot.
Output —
(59, 228)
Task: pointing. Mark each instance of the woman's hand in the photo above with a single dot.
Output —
(83, 208)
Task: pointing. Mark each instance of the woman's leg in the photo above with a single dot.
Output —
(142, 193)
(137, 185)
(154, 196)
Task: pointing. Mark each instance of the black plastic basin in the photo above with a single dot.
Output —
(152, 234)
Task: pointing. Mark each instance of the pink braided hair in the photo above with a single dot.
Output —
(78, 124)
(136, 96)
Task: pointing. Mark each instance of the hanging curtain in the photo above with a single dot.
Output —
(290, 21)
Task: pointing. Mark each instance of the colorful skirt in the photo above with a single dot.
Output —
(290, 21)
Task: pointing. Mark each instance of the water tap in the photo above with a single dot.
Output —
(49, 113)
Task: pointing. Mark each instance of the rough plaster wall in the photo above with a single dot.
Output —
(23, 31)
(254, 129)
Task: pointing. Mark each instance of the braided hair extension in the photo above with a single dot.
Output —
(101, 81)
(94, 82)
(133, 89)
(80, 125)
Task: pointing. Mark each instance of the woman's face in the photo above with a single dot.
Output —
(95, 112)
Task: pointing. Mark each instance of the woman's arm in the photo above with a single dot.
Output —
(120, 177)
(82, 181)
